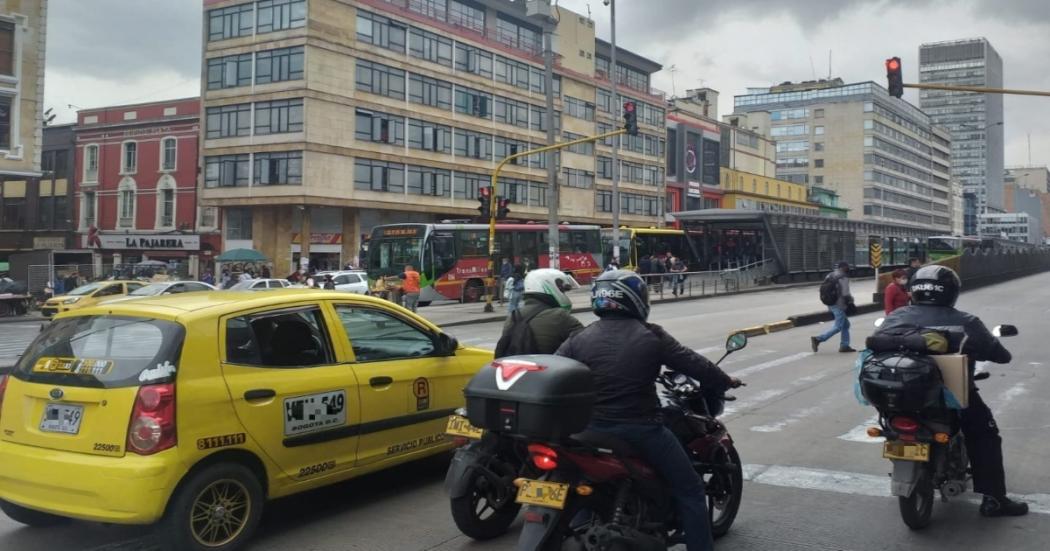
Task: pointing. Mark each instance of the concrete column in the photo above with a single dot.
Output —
(194, 267)
(351, 238)
(96, 260)
(281, 230)
(304, 236)
(117, 259)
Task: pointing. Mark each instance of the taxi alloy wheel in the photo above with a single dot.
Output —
(220, 513)
(216, 508)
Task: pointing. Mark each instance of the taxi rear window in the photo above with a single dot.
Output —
(103, 351)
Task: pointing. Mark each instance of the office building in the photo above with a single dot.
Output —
(1015, 226)
(883, 157)
(326, 118)
(23, 226)
(975, 120)
(1035, 178)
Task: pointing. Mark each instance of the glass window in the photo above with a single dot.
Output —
(7, 48)
(227, 121)
(435, 9)
(169, 147)
(279, 116)
(473, 102)
(279, 15)
(372, 175)
(238, 223)
(379, 128)
(578, 108)
(279, 65)
(380, 79)
(578, 178)
(130, 158)
(91, 163)
(380, 31)
(278, 168)
(126, 198)
(226, 170)
(473, 144)
(229, 71)
(473, 60)
(429, 46)
(284, 339)
(429, 137)
(167, 208)
(466, 16)
(429, 181)
(512, 112)
(230, 22)
(429, 91)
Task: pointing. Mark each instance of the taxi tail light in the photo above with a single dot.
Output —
(3, 388)
(152, 427)
(904, 425)
(545, 458)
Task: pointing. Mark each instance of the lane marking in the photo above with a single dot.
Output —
(1007, 396)
(859, 433)
(790, 420)
(757, 368)
(741, 406)
(842, 482)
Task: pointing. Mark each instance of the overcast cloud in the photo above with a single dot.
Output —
(107, 52)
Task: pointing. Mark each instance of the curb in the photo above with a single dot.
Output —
(27, 318)
(583, 309)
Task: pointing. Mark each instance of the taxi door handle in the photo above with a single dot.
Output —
(259, 394)
(381, 381)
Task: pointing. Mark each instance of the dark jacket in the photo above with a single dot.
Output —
(551, 326)
(625, 356)
(980, 344)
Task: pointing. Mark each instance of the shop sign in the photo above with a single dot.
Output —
(321, 238)
(49, 242)
(151, 242)
(694, 189)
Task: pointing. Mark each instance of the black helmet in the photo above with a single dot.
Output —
(620, 292)
(935, 286)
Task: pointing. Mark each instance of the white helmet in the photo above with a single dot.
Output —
(553, 283)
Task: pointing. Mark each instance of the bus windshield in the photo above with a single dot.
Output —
(393, 247)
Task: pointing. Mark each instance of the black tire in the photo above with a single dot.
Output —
(480, 515)
(725, 489)
(423, 303)
(917, 508)
(180, 530)
(31, 517)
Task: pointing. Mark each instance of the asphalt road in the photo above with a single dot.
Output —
(815, 481)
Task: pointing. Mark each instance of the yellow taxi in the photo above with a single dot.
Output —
(87, 295)
(192, 410)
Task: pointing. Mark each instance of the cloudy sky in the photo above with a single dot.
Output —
(106, 52)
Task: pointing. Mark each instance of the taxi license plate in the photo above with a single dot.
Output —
(63, 418)
(906, 451)
(544, 494)
(460, 426)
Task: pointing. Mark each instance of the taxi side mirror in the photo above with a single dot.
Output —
(447, 344)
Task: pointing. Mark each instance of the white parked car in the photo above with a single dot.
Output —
(349, 281)
(164, 288)
(259, 284)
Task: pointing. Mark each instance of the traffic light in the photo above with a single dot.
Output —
(503, 208)
(485, 201)
(893, 77)
(630, 118)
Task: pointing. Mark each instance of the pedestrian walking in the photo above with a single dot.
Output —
(517, 289)
(835, 293)
(678, 268)
(896, 293)
(506, 271)
(208, 278)
(913, 266)
(410, 286)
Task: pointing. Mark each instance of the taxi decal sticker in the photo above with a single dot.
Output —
(316, 469)
(416, 444)
(314, 412)
(421, 388)
(212, 442)
(73, 366)
(162, 371)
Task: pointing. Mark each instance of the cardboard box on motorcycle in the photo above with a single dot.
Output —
(955, 371)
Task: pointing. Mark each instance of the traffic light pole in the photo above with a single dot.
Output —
(492, 199)
(953, 88)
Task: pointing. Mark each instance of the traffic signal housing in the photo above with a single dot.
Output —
(502, 208)
(485, 201)
(630, 118)
(893, 77)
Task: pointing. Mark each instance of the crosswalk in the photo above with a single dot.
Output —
(14, 338)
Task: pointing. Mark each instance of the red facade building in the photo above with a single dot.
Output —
(136, 186)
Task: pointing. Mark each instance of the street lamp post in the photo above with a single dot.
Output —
(616, 142)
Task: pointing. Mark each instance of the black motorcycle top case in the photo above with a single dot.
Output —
(901, 382)
(538, 396)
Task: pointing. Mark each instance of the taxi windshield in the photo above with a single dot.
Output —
(150, 290)
(85, 289)
(103, 351)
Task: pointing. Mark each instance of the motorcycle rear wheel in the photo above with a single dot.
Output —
(724, 491)
(479, 515)
(917, 508)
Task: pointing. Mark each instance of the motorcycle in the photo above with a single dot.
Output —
(596, 494)
(925, 444)
(480, 478)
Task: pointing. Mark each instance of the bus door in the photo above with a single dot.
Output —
(440, 256)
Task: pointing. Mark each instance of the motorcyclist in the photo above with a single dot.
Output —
(547, 312)
(934, 292)
(626, 354)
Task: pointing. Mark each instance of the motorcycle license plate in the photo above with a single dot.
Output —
(544, 494)
(906, 451)
(460, 426)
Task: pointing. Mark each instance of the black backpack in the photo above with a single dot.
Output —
(829, 290)
(519, 339)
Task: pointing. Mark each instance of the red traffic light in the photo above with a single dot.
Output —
(485, 191)
(628, 107)
(893, 64)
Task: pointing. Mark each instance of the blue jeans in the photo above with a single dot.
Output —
(841, 325)
(659, 447)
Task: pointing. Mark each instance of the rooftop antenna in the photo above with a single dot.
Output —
(812, 67)
(588, 11)
(829, 64)
(673, 69)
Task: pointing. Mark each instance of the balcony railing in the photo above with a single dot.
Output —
(126, 222)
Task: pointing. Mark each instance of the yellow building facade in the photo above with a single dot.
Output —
(747, 191)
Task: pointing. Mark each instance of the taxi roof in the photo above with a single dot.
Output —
(189, 307)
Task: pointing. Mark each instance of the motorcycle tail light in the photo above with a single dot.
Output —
(545, 458)
(941, 438)
(905, 425)
(874, 432)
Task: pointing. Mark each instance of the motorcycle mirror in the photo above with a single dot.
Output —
(1005, 331)
(679, 379)
(736, 341)
(879, 322)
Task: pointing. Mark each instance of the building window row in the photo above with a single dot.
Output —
(282, 64)
(574, 177)
(627, 76)
(586, 148)
(270, 117)
(261, 169)
(630, 203)
(579, 108)
(635, 173)
(789, 114)
(388, 177)
(264, 16)
(647, 113)
(790, 130)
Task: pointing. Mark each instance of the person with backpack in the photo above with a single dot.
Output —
(834, 293)
(514, 288)
(544, 321)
